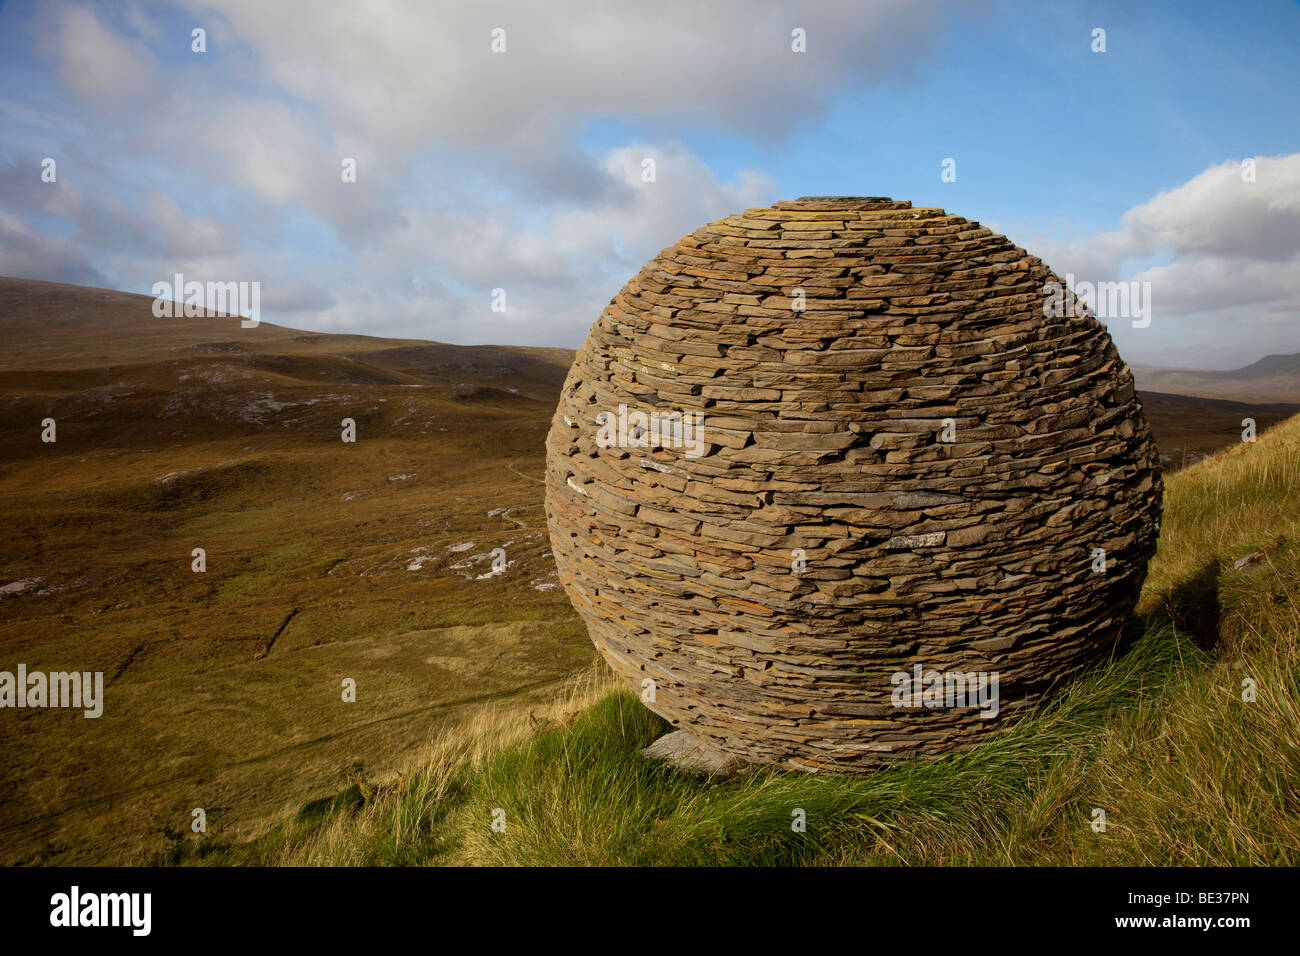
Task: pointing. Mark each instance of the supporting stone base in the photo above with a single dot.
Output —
(686, 752)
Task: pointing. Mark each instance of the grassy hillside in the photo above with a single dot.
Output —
(1188, 429)
(369, 561)
(1160, 738)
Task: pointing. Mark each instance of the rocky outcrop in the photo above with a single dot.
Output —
(813, 447)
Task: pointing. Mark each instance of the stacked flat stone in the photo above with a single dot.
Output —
(825, 433)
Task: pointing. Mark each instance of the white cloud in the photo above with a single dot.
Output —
(1226, 287)
(1217, 215)
(470, 172)
(558, 270)
(399, 74)
(95, 61)
(470, 177)
(25, 252)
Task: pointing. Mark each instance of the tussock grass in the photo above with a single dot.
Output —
(1159, 738)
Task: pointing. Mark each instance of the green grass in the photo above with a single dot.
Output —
(1159, 737)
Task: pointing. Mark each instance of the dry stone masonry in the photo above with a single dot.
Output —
(902, 466)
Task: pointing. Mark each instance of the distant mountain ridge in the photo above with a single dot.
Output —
(52, 328)
(1274, 378)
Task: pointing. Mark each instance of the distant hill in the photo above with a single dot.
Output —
(51, 326)
(1188, 429)
(375, 560)
(1274, 378)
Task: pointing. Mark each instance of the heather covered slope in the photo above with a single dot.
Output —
(325, 561)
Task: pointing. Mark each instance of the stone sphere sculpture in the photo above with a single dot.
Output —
(839, 481)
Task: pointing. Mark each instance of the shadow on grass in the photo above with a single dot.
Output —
(1195, 609)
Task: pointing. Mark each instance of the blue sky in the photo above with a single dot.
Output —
(520, 170)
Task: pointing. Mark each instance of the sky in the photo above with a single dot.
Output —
(503, 146)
